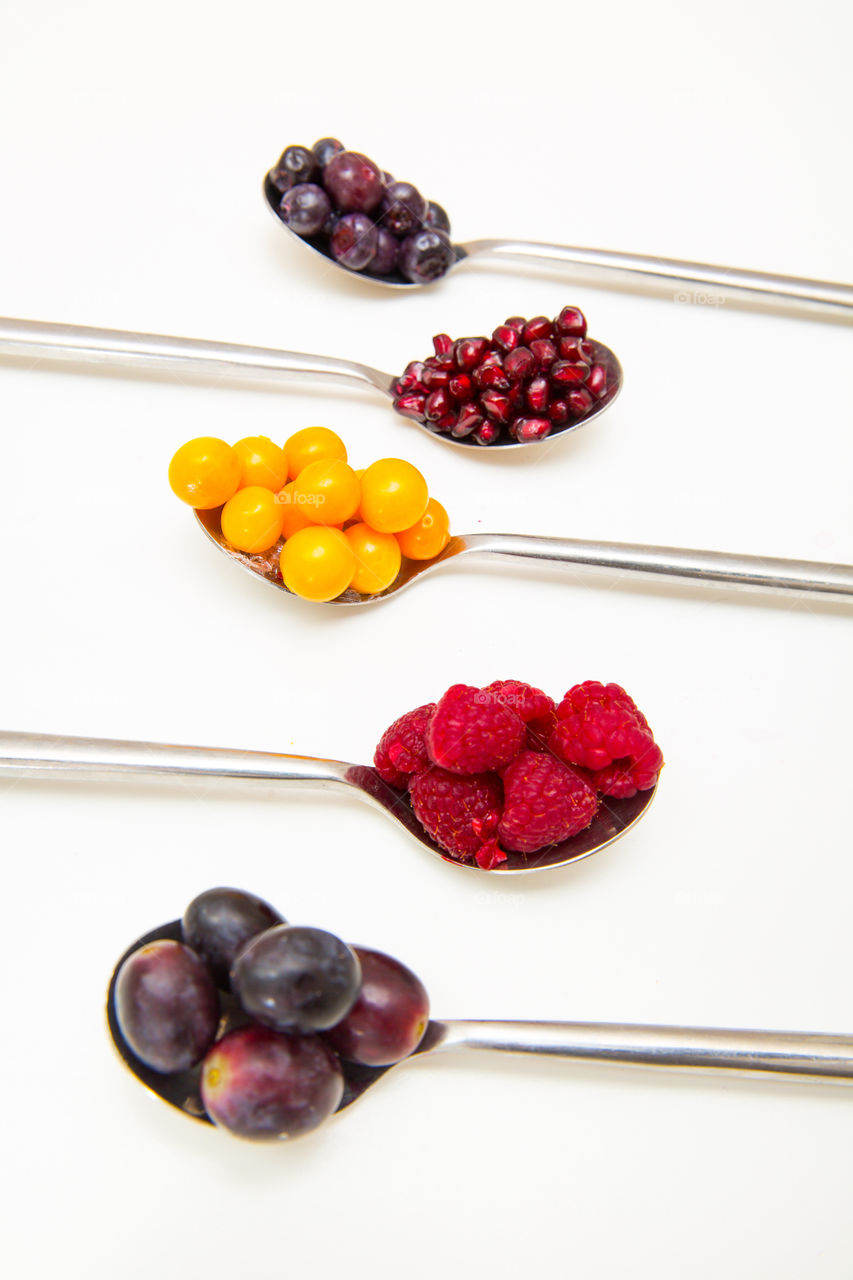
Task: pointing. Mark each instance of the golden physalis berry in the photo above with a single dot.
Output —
(317, 563)
(394, 495)
(204, 473)
(429, 536)
(377, 557)
(312, 444)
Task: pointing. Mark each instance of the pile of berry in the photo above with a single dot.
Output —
(295, 1003)
(357, 214)
(329, 529)
(505, 768)
(530, 378)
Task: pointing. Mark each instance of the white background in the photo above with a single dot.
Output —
(133, 145)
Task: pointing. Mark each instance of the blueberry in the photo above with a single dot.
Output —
(166, 1005)
(403, 208)
(325, 149)
(388, 1020)
(354, 241)
(436, 218)
(353, 182)
(425, 255)
(384, 260)
(218, 924)
(305, 208)
(260, 1084)
(294, 978)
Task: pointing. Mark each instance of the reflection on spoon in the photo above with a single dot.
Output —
(782, 1054)
(25, 755)
(607, 267)
(40, 339)
(817, 580)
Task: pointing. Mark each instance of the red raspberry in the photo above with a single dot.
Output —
(471, 731)
(461, 814)
(536, 709)
(602, 729)
(545, 802)
(402, 747)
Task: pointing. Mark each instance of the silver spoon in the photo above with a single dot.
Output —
(715, 568)
(783, 1054)
(606, 267)
(38, 339)
(28, 755)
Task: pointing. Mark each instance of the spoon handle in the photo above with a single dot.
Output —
(824, 581)
(606, 265)
(47, 755)
(37, 339)
(787, 1053)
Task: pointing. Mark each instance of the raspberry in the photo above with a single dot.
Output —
(535, 708)
(545, 802)
(461, 814)
(402, 748)
(601, 728)
(471, 731)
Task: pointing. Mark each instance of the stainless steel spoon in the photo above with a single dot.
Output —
(38, 339)
(786, 1055)
(715, 568)
(607, 267)
(35, 755)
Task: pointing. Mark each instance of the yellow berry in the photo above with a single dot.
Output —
(377, 557)
(394, 495)
(204, 473)
(293, 513)
(317, 563)
(312, 444)
(328, 491)
(261, 462)
(252, 519)
(429, 536)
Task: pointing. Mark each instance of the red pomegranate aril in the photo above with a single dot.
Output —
(487, 433)
(519, 363)
(505, 337)
(469, 420)
(468, 352)
(537, 328)
(537, 394)
(411, 376)
(570, 349)
(526, 429)
(587, 350)
(411, 405)
(496, 405)
(434, 378)
(544, 352)
(490, 377)
(461, 387)
(558, 412)
(572, 322)
(566, 374)
(597, 380)
(436, 405)
(447, 423)
(517, 323)
(443, 343)
(579, 401)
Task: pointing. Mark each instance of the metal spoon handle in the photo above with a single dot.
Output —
(827, 581)
(45, 755)
(786, 1053)
(36, 339)
(606, 265)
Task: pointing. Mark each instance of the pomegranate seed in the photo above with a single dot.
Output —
(411, 405)
(537, 394)
(505, 337)
(487, 433)
(587, 350)
(469, 420)
(517, 323)
(570, 349)
(447, 423)
(537, 328)
(516, 395)
(558, 411)
(443, 343)
(434, 378)
(490, 376)
(436, 405)
(519, 363)
(411, 376)
(579, 401)
(566, 374)
(597, 380)
(544, 352)
(496, 405)
(531, 429)
(572, 322)
(460, 387)
(468, 352)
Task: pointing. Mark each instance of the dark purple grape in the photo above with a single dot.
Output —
(166, 1005)
(218, 924)
(305, 208)
(384, 260)
(354, 241)
(294, 978)
(295, 165)
(390, 1016)
(260, 1084)
(353, 182)
(325, 149)
(425, 256)
(403, 208)
(436, 218)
